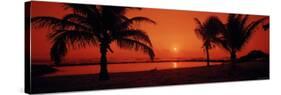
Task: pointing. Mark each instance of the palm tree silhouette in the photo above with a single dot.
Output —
(208, 32)
(91, 25)
(237, 32)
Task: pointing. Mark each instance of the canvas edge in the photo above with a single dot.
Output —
(27, 54)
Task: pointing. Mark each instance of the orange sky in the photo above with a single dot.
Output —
(173, 35)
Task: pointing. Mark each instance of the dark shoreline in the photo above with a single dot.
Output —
(216, 73)
(135, 62)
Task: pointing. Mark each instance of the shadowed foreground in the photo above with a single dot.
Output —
(219, 73)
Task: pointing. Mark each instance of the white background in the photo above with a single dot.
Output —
(12, 47)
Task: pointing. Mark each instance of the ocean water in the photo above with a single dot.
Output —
(126, 67)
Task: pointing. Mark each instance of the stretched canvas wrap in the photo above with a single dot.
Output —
(74, 47)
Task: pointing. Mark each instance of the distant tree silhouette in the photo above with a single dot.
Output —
(254, 55)
(208, 31)
(91, 25)
(237, 33)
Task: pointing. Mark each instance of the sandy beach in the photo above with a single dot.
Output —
(217, 73)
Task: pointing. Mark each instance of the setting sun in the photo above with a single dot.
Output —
(175, 49)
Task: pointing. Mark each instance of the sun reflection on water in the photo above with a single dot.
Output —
(175, 65)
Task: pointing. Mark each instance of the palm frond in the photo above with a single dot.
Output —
(46, 21)
(199, 30)
(230, 18)
(208, 30)
(135, 45)
(135, 34)
(75, 38)
(198, 23)
(221, 42)
(75, 18)
(55, 23)
(91, 12)
(213, 26)
(254, 24)
(80, 22)
(237, 33)
(114, 10)
(128, 22)
(80, 9)
(248, 31)
(244, 20)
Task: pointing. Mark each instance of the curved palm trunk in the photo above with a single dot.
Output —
(207, 54)
(103, 75)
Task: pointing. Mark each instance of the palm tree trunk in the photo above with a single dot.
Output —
(233, 57)
(103, 75)
(57, 62)
(233, 64)
(207, 54)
